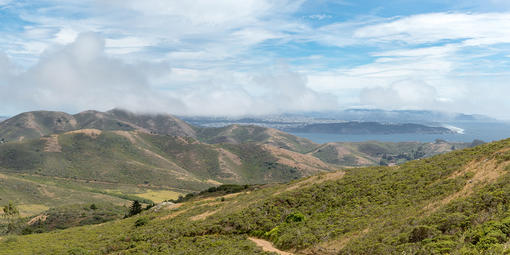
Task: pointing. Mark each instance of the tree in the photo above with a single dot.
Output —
(135, 208)
(93, 206)
(11, 212)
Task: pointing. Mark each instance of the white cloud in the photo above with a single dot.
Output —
(475, 29)
(320, 16)
(406, 94)
(4, 2)
(80, 76)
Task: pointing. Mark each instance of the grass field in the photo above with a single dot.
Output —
(159, 196)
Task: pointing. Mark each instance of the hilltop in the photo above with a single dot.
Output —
(36, 124)
(453, 203)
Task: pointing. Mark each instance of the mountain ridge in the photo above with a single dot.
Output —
(35, 124)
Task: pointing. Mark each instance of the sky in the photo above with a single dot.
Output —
(255, 57)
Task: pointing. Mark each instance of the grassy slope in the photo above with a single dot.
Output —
(67, 216)
(452, 203)
(237, 134)
(130, 165)
(139, 158)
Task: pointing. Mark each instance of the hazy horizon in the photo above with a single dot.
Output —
(256, 57)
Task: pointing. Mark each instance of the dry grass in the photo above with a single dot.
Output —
(52, 144)
(159, 196)
(90, 132)
(31, 209)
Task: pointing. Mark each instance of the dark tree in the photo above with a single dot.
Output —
(135, 208)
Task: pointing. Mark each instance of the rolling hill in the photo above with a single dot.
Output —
(237, 134)
(454, 203)
(128, 165)
(36, 124)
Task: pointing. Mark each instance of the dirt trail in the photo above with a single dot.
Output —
(40, 218)
(267, 246)
(203, 215)
(316, 179)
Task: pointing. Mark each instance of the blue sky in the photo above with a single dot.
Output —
(230, 57)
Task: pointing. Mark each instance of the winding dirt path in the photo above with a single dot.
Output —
(267, 246)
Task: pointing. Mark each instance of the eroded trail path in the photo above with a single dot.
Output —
(267, 246)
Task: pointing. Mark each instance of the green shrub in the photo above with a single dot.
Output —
(141, 221)
(421, 233)
(295, 217)
(273, 233)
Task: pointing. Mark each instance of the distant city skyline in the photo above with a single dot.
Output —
(255, 56)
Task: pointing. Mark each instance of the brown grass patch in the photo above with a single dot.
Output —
(52, 144)
(213, 182)
(90, 132)
(126, 134)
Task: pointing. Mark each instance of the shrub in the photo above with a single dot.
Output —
(421, 233)
(141, 221)
(295, 217)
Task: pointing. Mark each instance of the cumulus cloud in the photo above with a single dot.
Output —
(278, 91)
(81, 76)
(406, 94)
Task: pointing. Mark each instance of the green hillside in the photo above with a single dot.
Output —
(236, 134)
(454, 203)
(128, 165)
